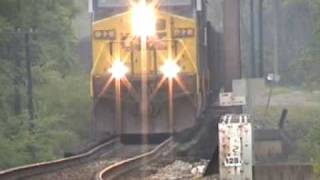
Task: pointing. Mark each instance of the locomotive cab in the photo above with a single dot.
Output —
(146, 85)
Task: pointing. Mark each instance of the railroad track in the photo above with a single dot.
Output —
(112, 154)
(126, 165)
(38, 169)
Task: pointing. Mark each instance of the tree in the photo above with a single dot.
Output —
(61, 88)
(306, 71)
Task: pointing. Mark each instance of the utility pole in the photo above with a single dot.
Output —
(252, 44)
(261, 40)
(232, 52)
(17, 77)
(276, 37)
(91, 19)
(27, 37)
(29, 77)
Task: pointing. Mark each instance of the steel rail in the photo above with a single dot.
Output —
(122, 167)
(55, 165)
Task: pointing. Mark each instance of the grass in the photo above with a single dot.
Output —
(281, 90)
(302, 120)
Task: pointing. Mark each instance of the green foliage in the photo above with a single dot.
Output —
(303, 128)
(68, 94)
(61, 87)
(306, 72)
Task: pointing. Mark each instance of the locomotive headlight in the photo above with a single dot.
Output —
(143, 19)
(170, 69)
(118, 70)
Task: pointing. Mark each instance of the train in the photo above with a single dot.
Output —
(152, 69)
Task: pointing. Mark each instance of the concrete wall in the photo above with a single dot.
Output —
(283, 172)
(267, 149)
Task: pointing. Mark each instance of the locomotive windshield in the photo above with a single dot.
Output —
(176, 2)
(121, 3)
(107, 8)
(112, 3)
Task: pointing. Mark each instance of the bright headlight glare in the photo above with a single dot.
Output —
(170, 69)
(118, 70)
(143, 20)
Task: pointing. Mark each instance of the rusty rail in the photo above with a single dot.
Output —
(51, 166)
(122, 167)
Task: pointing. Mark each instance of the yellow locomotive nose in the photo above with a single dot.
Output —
(145, 74)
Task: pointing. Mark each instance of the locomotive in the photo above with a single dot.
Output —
(150, 71)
